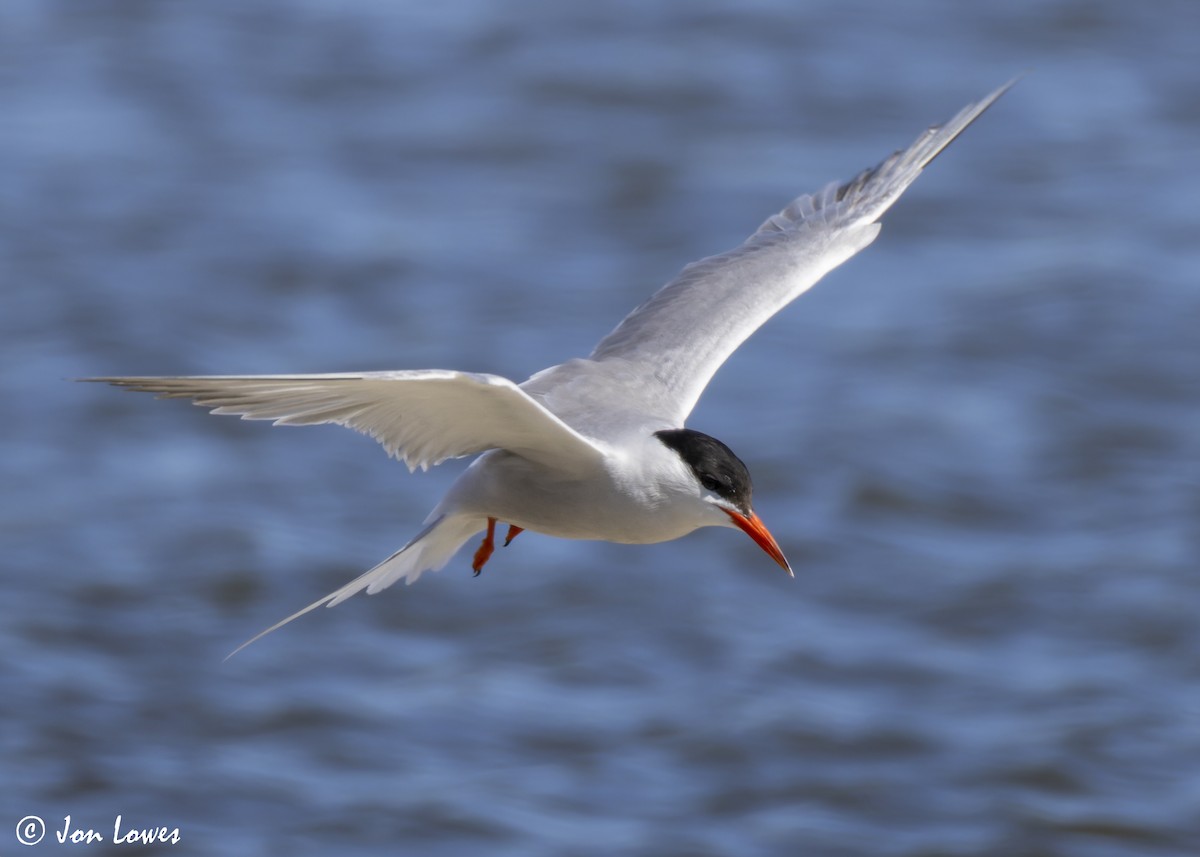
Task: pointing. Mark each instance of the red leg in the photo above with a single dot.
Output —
(484, 553)
(513, 532)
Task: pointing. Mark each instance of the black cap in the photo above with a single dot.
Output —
(717, 469)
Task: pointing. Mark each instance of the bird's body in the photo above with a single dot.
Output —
(628, 498)
(593, 448)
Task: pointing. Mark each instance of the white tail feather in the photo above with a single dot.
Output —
(429, 550)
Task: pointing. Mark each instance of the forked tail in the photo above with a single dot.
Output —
(428, 550)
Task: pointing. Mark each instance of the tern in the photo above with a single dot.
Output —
(596, 447)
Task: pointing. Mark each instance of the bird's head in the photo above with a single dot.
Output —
(722, 481)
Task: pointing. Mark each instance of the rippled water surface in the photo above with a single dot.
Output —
(979, 441)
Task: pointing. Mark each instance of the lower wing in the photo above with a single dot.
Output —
(421, 417)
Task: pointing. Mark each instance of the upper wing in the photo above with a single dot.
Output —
(677, 340)
(421, 417)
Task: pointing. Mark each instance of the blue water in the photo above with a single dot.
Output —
(979, 441)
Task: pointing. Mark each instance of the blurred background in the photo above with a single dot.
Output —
(979, 441)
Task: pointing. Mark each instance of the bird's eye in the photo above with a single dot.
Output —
(710, 483)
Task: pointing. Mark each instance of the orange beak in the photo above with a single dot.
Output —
(753, 526)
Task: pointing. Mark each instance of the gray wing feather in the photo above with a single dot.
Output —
(678, 339)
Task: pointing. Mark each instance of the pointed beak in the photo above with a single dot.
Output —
(753, 526)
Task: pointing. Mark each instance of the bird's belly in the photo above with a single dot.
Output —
(597, 508)
(610, 527)
(583, 512)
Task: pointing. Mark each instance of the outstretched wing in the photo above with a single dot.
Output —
(678, 339)
(422, 417)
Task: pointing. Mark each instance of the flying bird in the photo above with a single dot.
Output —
(596, 447)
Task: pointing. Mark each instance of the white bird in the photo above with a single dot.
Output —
(594, 448)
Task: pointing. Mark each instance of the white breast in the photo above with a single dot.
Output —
(643, 494)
